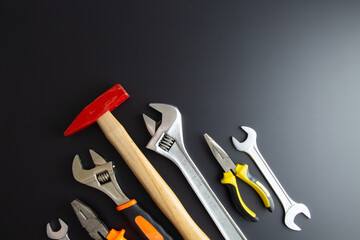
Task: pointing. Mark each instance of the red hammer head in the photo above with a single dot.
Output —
(107, 101)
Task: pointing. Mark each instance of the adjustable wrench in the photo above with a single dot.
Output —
(62, 234)
(291, 207)
(167, 140)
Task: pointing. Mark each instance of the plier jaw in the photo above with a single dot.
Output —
(89, 220)
(93, 225)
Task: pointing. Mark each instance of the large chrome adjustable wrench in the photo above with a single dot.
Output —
(168, 141)
(291, 207)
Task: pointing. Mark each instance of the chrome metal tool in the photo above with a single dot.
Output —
(62, 234)
(167, 140)
(93, 225)
(291, 207)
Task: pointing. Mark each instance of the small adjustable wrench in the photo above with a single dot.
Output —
(291, 207)
(167, 140)
(62, 234)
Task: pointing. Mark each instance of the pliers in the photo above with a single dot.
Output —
(102, 177)
(240, 171)
(95, 227)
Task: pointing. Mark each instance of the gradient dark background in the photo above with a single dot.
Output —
(288, 69)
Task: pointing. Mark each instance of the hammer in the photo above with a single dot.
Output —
(99, 111)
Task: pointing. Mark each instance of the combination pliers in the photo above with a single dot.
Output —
(241, 171)
(95, 227)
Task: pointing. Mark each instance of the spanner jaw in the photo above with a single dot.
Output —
(61, 234)
(292, 212)
(248, 143)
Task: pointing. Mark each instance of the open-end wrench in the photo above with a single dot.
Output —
(291, 207)
(62, 234)
(167, 140)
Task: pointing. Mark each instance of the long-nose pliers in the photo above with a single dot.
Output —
(241, 171)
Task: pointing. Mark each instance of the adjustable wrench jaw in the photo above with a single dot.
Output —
(101, 177)
(167, 133)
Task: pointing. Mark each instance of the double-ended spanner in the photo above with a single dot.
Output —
(167, 140)
(291, 207)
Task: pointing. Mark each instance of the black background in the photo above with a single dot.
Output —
(288, 69)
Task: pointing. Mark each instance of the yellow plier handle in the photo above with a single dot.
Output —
(230, 181)
(243, 173)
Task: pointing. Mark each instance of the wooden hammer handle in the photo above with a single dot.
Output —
(157, 188)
